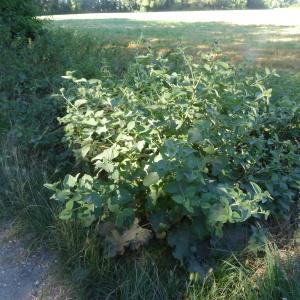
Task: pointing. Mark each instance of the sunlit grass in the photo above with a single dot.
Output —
(272, 46)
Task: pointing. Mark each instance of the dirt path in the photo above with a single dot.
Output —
(25, 275)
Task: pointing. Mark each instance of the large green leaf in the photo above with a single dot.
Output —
(69, 181)
(151, 178)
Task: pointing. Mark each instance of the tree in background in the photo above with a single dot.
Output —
(269, 3)
(81, 6)
(131, 5)
(151, 4)
(213, 4)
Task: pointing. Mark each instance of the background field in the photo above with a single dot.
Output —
(269, 37)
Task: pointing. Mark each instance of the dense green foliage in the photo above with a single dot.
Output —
(19, 17)
(190, 148)
(187, 146)
(182, 151)
(30, 74)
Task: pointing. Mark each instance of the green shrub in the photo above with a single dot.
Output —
(19, 17)
(186, 150)
(30, 73)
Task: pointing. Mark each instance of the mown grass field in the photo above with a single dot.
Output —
(262, 45)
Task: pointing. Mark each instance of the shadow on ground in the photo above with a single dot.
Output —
(27, 275)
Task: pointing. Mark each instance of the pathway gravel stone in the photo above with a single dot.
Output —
(26, 275)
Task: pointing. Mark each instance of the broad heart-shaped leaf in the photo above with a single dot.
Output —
(86, 182)
(154, 195)
(101, 129)
(84, 150)
(123, 196)
(80, 102)
(70, 181)
(199, 132)
(185, 247)
(93, 198)
(65, 214)
(69, 205)
(114, 208)
(209, 150)
(219, 213)
(194, 135)
(62, 196)
(180, 240)
(108, 154)
(140, 145)
(90, 121)
(125, 218)
(172, 188)
(86, 217)
(151, 178)
(179, 199)
(52, 186)
(106, 165)
(130, 125)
